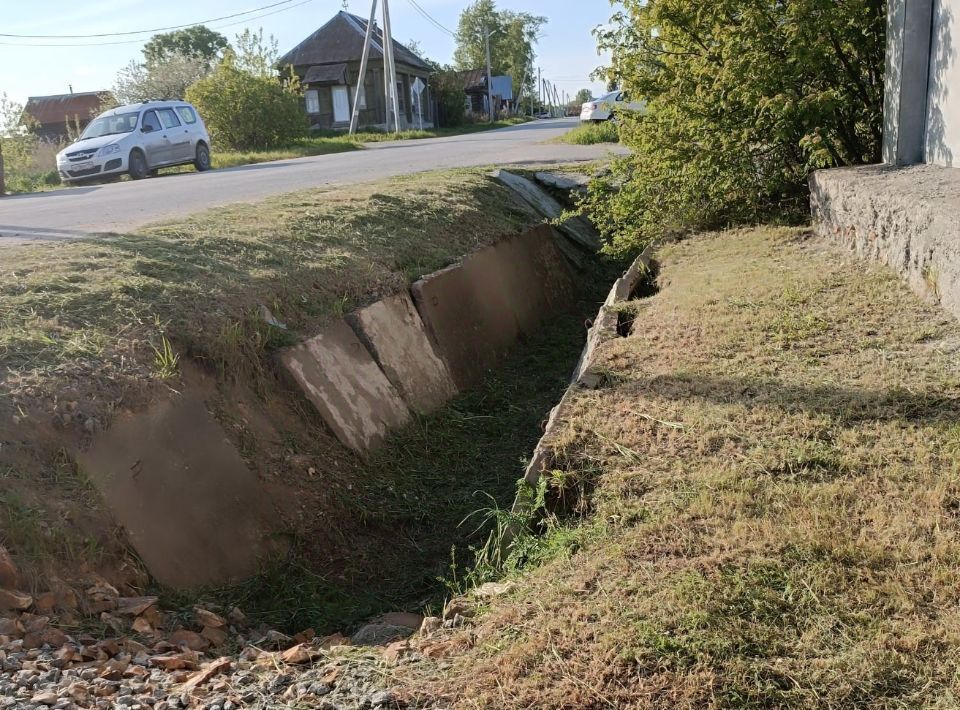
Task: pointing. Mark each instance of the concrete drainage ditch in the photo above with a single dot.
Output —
(191, 507)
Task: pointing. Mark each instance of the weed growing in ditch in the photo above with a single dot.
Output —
(166, 361)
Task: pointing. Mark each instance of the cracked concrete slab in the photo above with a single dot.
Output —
(339, 376)
(192, 509)
(394, 333)
(475, 312)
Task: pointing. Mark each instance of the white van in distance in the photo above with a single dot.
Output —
(137, 140)
(602, 109)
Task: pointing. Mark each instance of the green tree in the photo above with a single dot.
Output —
(246, 112)
(255, 54)
(198, 41)
(446, 87)
(744, 99)
(159, 80)
(583, 96)
(511, 42)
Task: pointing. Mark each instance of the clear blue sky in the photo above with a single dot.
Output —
(567, 54)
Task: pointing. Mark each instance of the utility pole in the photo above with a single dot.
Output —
(361, 82)
(3, 189)
(486, 38)
(390, 70)
(540, 87)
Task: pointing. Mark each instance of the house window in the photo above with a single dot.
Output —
(402, 97)
(313, 101)
(361, 98)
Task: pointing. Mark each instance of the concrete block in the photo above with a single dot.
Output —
(576, 229)
(568, 182)
(342, 380)
(394, 334)
(475, 312)
(907, 218)
(191, 508)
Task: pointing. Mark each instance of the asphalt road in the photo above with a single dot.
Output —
(125, 206)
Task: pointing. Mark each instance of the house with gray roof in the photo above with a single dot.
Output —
(328, 65)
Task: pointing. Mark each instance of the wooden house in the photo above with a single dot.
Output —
(328, 64)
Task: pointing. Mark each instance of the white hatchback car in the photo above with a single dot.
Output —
(137, 140)
(602, 109)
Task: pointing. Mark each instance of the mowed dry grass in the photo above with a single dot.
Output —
(81, 320)
(771, 503)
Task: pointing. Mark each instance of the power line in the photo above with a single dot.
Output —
(142, 40)
(430, 18)
(156, 29)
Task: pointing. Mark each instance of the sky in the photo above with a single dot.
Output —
(566, 52)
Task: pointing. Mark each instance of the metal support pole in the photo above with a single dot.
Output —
(486, 38)
(361, 82)
(388, 52)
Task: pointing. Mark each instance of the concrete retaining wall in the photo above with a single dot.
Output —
(192, 508)
(604, 328)
(417, 354)
(907, 218)
(477, 310)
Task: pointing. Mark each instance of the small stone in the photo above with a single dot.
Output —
(134, 606)
(216, 635)
(430, 624)
(299, 654)
(207, 618)
(45, 698)
(11, 600)
(189, 639)
(381, 699)
(380, 634)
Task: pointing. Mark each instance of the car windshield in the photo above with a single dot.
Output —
(110, 125)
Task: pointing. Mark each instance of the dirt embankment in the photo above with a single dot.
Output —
(764, 489)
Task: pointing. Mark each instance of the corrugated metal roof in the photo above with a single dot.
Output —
(341, 40)
(326, 74)
(63, 107)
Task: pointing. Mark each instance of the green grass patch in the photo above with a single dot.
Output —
(591, 134)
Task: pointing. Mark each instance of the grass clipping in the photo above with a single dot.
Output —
(772, 509)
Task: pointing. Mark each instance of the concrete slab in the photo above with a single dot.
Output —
(577, 229)
(394, 334)
(191, 508)
(342, 380)
(907, 218)
(568, 182)
(475, 312)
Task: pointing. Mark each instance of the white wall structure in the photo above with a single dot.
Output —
(942, 138)
(922, 83)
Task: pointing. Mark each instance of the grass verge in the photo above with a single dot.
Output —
(766, 494)
(592, 133)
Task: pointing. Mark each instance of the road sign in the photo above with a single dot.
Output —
(416, 90)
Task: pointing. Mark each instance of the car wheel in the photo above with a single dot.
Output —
(138, 169)
(202, 162)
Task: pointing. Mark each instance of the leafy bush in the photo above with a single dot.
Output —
(745, 98)
(246, 112)
(446, 86)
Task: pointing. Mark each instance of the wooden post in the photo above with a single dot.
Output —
(391, 73)
(486, 39)
(361, 82)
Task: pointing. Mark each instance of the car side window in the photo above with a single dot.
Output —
(187, 114)
(151, 121)
(168, 118)
(619, 97)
